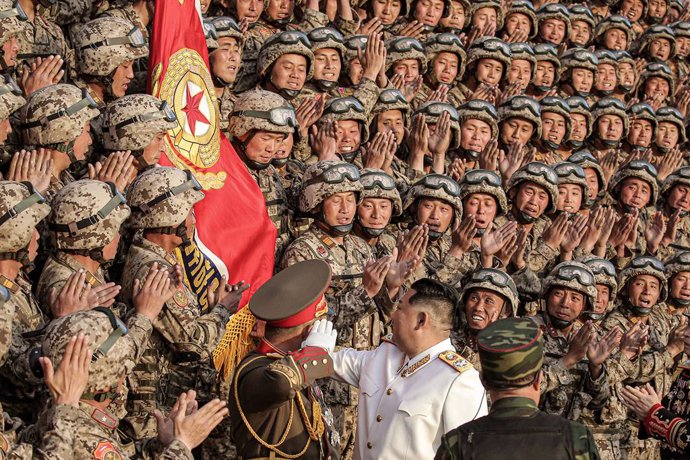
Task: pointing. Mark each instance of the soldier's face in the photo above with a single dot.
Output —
(606, 78)
(263, 146)
(445, 67)
(409, 68)
(680, 286)
(520, 70)
(641, 132)
(249, 9)
(553, 127)
(489, 71)
(632, 9)
(667, 135)
(545, 74)
(644, 290)
(280, 9)
(660, 48)
(5, 130)
(83, 142)
(122, 77)
(152, 153)
(582, 80)
(456, 20)
(10, 50)
(484, 16)
(564, 303)
(386, 10)
(326, 64)
(518, 22)
(391, 120)
(516, 130)
(656, 86)
(592, 182)
(532, 199)
(552, 31)
(375, 212)
(429, 12)
(475, 135)
(226, 60)
(569, 198)
(205, 4)
(340, 208)
(580, 33)
(626, 72)
(603, 297)
(578, 124)
(610, 127)
(683, 46)
(635, 193)
(656, 9)
(285, 148)
(679, 197)
(356, 71)
(290, 72)
(482, 206)
(615, 39)
(437, 214)
(483, 307)
(348, 135)
(33, 245)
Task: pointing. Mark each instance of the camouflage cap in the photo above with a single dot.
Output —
(483, 181)
(541, 174)
(490, 48)
(347, 108)
(494, 280)
(435, 186)
(524, 107)
(11, 98)
(447, 43)
(580, 106)
(527, 8)
(511, 352)
(55, 114)
(641, 170)
(586, 160)
(258, 109)
(656, 69)
(547, 52)
(12, 14)
(604, 273)
(656, 32)
(163, 197)
(131, 122)
(673, 115)
(107, 42)
(579, 12)
(555, 11)
(680, 176)
(572, 173)
(611, 106)
(555, 104)
(577, 58)
(572, 275)
(406, 48)
(289, 42)
(495, 4)
(478, 109)
(106, 371)
(21, 209)
(677, 263)
(644, 265)
(377, 184)
(613, 22)
(87, 214)
(328, 37)
(326, 178)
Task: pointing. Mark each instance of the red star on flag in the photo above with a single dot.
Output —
(191, 109)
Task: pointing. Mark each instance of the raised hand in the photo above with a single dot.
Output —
(35, 167)
(554, 234)
(654, 232)
(118, 169)
(375, 272)
(323, 141)
(150, 296)
(574, 234)
(439, 141)
(68, 383)
(43, 72)
(462, 236)
(308, 113)
(488, 158)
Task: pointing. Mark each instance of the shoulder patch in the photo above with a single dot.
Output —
(180, 298)
(106, 451)
(455, 361)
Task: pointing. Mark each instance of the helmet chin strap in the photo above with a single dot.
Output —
(609, 143)
(558, 323)
(325, 85)
(575, 144)
(541, 89)
(470, 153)
(251, 164)
(524, 218)
(349, 157)
(279, 162)
(550, 145)
(21, 256)
(582, 94)
(684, 303)
(333, 230)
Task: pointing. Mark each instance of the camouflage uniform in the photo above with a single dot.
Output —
(43, 38)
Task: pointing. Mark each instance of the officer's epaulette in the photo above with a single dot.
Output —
(388, 338)
(455, 361)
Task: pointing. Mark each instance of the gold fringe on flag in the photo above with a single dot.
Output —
(235, 344)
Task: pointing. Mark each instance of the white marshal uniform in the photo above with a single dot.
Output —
(406, 405)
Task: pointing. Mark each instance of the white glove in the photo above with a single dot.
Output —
(322, 335)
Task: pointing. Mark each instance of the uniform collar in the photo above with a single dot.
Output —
(9, 284)
(514, 406)
(412, 365)
(153, 247)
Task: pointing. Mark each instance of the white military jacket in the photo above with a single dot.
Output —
(406, 405)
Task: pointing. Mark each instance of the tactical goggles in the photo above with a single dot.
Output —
(682, 27)
(447, 39)
(681, 258)
(660, 29)
(438, 181)
(9, 85)
(164, 113)
(436, 109)
(659, 67)
(647, 262)
(34, 198)
(520, 48)
(670, 112)
(87, 102)
(336, 174)
(405, 44)
(582, 156)
(119, 330)
(190, 184)
(620, 22)
(134, 38)
(481, 176)
(605, 55)
(609, 102)
(343, 105)
(554, 8)
(581, 10)
(224, 23)
(524, 102)
(288, 38)
(357, 42)
(494, 44)
(545, 50)
(209, 29)
(577, 102)
(622, 56)
(371, 180)
(601, 267)
(640, 165)
(281, 116)
(480, 105)
(537, 168)
(520, 4)
(495, 277)
(683, 172)
(567, 169)
(554, 102)
(323, 34)
(571, 272)
(391, 96)
(15, 12)
(72, 228)
(641, 109)
(582, 56)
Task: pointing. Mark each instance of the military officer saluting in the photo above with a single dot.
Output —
(275, 407)
(511, 352)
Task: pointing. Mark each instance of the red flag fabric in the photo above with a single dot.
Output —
(234, 233)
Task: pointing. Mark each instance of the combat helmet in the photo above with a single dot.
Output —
(161, 199)
(495, 4)
(289, 42)
(577, 58)
(608, 57)
(11, 14)
(580, 106)
(448, 43)
(131, 122)
(107, 42)
(571, 275)
(326, 178)
(579, 12)
(438, 187)
(585, 160)
(643, 265)
(432, 111)
(680, 176)
(262, 110)
(86, 216)
(524, 51)
(496, 281)
(21, 209)
(540, 174)
(604, 273)
(653, 33)
(378, 184)
(611, 106)
(524, 107)
(572, 173)
(391, 99)
(347, 108)
(527, 8)
(555, 104)
(211, 35)
(555, 11)
(478, 109)
(679, 262)
(671, 114)
(225, 26)
(405, 48)
(641, 170)
(489, 48)
(327, 38)
(613, 22)
(483, 181)
(681, 29)
(643, 111)
(11, 98)
(656, 69)
(544, 52)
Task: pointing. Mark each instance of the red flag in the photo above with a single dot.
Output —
(233, 227)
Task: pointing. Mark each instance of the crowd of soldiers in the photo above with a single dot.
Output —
(529, 157)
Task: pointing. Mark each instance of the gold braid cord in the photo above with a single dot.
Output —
(315, 428)
(235, 344)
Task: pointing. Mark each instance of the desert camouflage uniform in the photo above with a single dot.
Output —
(58, 268)
(43, 38)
